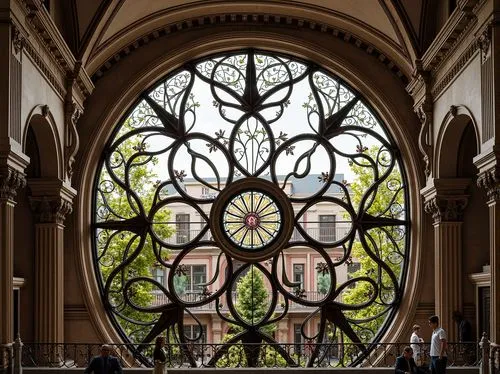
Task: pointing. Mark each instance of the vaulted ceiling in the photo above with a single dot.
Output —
(105, 27)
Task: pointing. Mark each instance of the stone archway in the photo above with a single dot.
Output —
(43, 208)
(174, 60)
(453, 199)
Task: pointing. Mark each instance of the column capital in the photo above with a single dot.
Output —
(51, 200)
(446, 199)
(11, 180)
(490, 181)
(488, 164)
(12, 165)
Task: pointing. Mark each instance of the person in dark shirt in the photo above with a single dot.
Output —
(464, 327)
(405, 364)
(160, 356)
(104, 363)
(467, 347)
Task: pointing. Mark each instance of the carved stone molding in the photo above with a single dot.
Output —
(488, 164)
(445, 199)
(453, 110)
(50, 209)
(255, 19)
(446, 208)
(420, 90)
(72, 140)
(50, 200)
(490, 181)
(10, 181)
(45, 35)
(484, 43)
(18, 40)
(424, 113)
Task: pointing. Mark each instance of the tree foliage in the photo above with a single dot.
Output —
(116, 203)
(386, 243)
(252, 303)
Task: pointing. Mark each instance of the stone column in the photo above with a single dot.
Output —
(490, 180)
(445, 199)
(51, 201)
(10, 181)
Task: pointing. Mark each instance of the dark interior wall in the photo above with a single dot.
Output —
(24, 242)
(476, 221)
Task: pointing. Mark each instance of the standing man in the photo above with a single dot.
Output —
(104, 363)
(438, 347)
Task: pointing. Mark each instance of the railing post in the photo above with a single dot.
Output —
(18, 355)
(484, 346)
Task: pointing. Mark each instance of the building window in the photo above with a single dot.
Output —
(192, 332)
(190, 282)
(197, 275)
(327, 226)
(182, 228)
(159, 275)
(298, 274)
(351, 269)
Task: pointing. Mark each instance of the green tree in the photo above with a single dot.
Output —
(115, 247)
(252, 303)
(324, 283)
(386, 243)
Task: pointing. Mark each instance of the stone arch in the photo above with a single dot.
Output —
(101, 124)
(41, 129)
(458, 142)
(452, 129)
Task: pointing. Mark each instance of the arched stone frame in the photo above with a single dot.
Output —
(448, 140)
(43, 124)
(97, 53)
(210, 44)
(447, 195)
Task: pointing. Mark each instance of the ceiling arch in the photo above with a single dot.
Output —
(112, 25)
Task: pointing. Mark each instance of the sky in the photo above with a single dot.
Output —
(294, 121)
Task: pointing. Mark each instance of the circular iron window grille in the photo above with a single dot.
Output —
(244, 188)
(252, 219)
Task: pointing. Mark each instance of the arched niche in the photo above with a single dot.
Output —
(457, 144)
(41, 136)
(458, 126)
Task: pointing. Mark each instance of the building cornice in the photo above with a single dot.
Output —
(460, 26)
(42, 34)
(253, 20)
(459, 23)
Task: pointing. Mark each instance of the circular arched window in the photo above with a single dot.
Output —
(252, 197)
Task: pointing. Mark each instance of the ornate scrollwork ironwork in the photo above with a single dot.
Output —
(231, 120)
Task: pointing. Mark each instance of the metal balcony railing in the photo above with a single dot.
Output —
(194, 297)
(323, 234)
(329, 355)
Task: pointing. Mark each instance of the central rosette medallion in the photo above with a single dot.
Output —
(252, 219)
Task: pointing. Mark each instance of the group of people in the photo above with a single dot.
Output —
(406, 364)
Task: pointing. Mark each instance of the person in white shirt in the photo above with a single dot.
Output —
(438, 347)
(415, 342)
